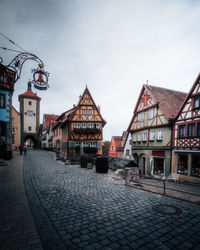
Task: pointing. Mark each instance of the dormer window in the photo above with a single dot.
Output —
(197, 102)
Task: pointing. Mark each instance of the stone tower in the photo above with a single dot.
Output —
(30, 117)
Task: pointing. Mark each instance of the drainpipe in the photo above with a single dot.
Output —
(170, 123)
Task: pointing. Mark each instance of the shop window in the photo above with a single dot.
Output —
(182, 167)
(198, 129)
(197, 102)
(158, 166)
(182, 131)
(2, 101)
(195, 165)
(191, 130)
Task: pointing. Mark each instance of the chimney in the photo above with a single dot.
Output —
(74, 105)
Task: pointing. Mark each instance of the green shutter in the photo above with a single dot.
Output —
(98, 145)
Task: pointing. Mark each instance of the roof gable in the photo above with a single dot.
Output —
(166, 101)
(194, 91)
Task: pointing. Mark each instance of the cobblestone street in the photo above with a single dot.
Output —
(76, 208)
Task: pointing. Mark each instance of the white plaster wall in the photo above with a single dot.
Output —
(30, 121)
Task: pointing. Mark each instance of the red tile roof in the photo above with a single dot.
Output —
(29, 93)
(50, 119)
(169, 100)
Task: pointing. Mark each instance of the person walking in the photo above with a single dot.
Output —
(25, 149)
(21, 149)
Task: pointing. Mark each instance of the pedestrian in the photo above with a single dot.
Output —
(21, 149)
(25, 148)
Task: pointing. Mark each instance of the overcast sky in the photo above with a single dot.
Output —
(113, 46)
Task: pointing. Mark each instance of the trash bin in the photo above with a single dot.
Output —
(102, 164)
(84, 161)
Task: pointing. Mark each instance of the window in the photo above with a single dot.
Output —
(127, 151)
(139, 137)
(13, 130)
(182, 167)
(134, 138)
(2, 128)
(144, 136)
(158, 166)
(191, 130)
(83, 125)
(13, 141)
(182, 131)
(76, 125)
(151, 113)
(197, 102)
(142, 116)
(29, 103)
(159, 135)
(1, 77)
(97, 125)
(90, 125)
(29, 128)
(86, 96)
(195, 165)
(87, 112)
(152, 135)
(2, 101)
(13, 119)
(198, 129)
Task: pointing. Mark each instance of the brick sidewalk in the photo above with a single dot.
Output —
(17, 227)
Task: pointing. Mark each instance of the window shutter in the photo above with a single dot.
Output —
(98, 145)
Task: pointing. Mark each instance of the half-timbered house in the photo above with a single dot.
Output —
(116, 149)
(82, 128)
(49, 121)
(151, 129)
(186, 143)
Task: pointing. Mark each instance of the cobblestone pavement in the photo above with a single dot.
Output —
(76, 208)
(17, 227)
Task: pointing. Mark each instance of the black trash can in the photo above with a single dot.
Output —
(84, 161)
(102, 164)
